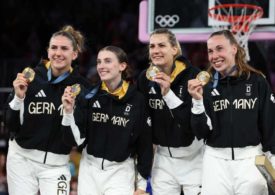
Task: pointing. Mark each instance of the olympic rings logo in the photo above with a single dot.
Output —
(167, 20)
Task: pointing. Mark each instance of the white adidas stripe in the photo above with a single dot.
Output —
(41, 93)
(96, 104)
(215, 92)
(152, 91)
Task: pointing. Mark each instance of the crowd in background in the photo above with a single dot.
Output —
(27, 25)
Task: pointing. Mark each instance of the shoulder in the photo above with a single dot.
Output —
(135, 93)
(256, 77)
(190, 69)
(142, 80)
(142, 75)
(76, 77)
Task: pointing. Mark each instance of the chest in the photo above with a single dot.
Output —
(242, 96)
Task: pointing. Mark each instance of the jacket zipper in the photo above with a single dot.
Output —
(231, 119)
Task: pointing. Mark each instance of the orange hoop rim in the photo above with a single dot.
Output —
(233, 18)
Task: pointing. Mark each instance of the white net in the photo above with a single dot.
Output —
(238, 18)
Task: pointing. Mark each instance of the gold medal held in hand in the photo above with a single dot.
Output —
(151, 72)
(29, 74)
(203, 77)
(75, 89)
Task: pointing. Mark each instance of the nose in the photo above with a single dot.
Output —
(155, 50)
(58, 51)
(99, 65)
(214, 55)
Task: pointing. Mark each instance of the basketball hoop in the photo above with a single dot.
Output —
(238, 18)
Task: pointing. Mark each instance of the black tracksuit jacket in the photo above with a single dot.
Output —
(116, 129)
(242, 112)
(41, 127)
(171, 128)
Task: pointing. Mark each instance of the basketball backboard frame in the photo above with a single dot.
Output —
(198, 34)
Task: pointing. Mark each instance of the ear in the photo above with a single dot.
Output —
(122, 66)
(234, 49)
(75, 55)
(174, 51)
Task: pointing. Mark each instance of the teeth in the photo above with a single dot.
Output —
(217, 63)
(58, 61)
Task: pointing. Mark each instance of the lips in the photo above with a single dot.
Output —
(103, 72)
(58, 60)
(218, 62)
(157, 57)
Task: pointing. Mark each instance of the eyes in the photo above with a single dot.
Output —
(218, 48)
(105, 60)
(63, 48)
(160, 45)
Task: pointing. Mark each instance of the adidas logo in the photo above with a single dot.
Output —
(96, 104)
(41, 93)
(62, 177)
(152, 91)
(215, 92)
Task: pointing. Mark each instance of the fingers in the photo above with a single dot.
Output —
(164, 82)
(20, 81)
(67, 95)
(162, 78)
(194, 83)
(20, 85)
(195, 88)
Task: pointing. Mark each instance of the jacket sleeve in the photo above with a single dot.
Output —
(13, 108)
(180, 107)
(266, 116)
(144, 148)
(74, 124)
(201, 120)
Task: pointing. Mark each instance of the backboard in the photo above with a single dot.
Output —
(190, 22)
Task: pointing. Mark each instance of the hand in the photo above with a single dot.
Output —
(195, 89)
(68, 100)
(139, 192)
(20, 85)
(164, 82)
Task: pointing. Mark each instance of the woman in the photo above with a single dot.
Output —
(178, 157)
(37, 158)
(236, 120)
(117, 131)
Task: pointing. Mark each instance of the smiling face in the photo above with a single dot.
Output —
(108, 67)
(61, 54)
(161, 52)
(221, 53)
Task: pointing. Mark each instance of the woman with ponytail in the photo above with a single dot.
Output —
(38, 158)
(234, 114)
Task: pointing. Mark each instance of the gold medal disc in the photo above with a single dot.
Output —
(75, 89)
(151, 72)
(29, 74)
(203, 77)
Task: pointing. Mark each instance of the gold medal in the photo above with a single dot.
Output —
(29, 74)
(151, 72)
(75, 89)
(203, 77)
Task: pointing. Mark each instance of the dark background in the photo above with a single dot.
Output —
(26, 27)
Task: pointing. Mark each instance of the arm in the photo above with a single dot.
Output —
(74, 118)
(15, 107)
(200, 122)
(12, 114)
(266, 119)
(144, 151)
